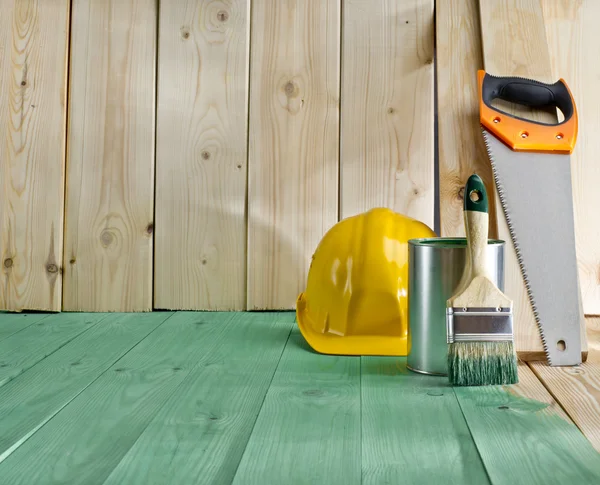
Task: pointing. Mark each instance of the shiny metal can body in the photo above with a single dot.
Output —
(435, 269)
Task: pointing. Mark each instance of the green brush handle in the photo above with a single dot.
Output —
(477, 221)
(475, 188)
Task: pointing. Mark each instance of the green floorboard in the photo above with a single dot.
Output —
(520, 442)
(34, 397)
(413, 430)
(26, 348)
(199, 435)
(87, 440)
(308, 431)
(220, 398)
(11, 323)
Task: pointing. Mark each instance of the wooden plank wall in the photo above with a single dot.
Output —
(200, 150)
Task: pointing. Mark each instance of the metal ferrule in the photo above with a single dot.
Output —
(479, 324)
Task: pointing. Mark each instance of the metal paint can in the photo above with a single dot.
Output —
(435, 269)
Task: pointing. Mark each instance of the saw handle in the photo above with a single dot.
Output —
(522, 134)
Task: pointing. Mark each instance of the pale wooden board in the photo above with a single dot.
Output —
(211, 415)
(412, 428)
(578, 388)
(293, 144)
(572, 32)
(578, 391)
(387, 94)
(514, 44)
(523, 437)
(201, 159)
(461, 148)
(110, 159)
(33, 80)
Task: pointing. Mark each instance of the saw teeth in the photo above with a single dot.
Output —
(500, 191)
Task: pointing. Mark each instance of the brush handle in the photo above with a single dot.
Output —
(477, 223)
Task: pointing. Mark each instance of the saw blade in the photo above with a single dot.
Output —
(536, 196)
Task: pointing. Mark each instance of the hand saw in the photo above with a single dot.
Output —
(532, 173)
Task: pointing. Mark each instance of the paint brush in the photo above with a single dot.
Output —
(479, 316)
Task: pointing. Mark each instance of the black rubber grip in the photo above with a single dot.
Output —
(528, 92)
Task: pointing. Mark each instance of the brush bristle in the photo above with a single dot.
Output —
(482, 363)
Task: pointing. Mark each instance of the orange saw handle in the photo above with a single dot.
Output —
(521, 134)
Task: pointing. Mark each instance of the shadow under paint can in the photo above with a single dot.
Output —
(435, 267)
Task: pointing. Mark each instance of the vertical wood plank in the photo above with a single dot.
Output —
(293, 145)
(514, 43)
(201, 162)
(387, 132)
(110, 160)
(572, 31)
(461, 146)
(33, 79)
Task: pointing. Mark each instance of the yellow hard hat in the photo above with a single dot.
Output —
(355, 301)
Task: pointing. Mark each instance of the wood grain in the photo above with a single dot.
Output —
(578, 391)
(572, 33)
(33, 79)
(387, 132)
(309, 424)
(413, 430)
(522, 440)
(110, 159)
(11, 323)
(293, 145)
(514, 44)
(30, 401)
(461, 148)
(211, 415)
(201, 160)
(578, 388)
(88, 439)
(25, 349)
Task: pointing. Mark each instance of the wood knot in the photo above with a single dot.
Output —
(239, 166)
(8, 262)
(416, 191)
(204, 261)
(23, 83)
(461, 193)
(391, 111)
(52, 268)
(222, 15)
(290, 89)
(313, 392)
(72, 261)
(205, 155)
(149, 228)
(106, 238)
(185, 33)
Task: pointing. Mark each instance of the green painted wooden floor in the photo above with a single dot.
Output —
(220, 398)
